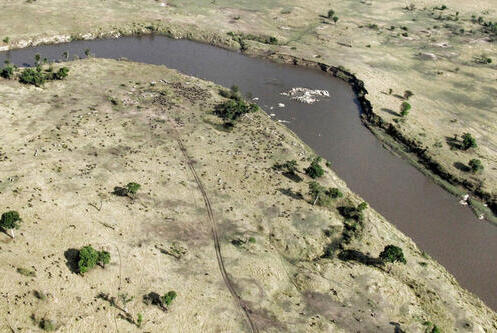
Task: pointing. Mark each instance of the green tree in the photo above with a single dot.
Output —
(89, 257)
(32, 76)
(318, 194)
(168, 298)
(362, 206)
(315, 170)
(7, 72)
(468, 141)
(10, 220)
(475, 165)
(392, 253)
(335, 193)
(404, 109)
(335, 19)
(133, 187)
(139, 320)
(331, 12)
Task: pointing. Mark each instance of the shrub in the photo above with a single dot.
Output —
(468, 141)
(6, 40)
(335, 193)
(128, 191)
(89, 258)
(335, 19)
(404, 109)
(318, 194)
(315, 170)
(362, 206)
(331, 13)
(133, 187)
(351, 213)
(168, 298)
(47, 325)
(26, 272)
(10, 220)
(62, 73)
(231, 110)
(139, 320)
(392, 253)
(7, 72)
(32, 76)
(475, 165)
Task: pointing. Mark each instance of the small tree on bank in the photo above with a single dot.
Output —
(393, 253)
(9, 221)
(315, 170)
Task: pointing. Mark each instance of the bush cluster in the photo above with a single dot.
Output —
(468, 141)
(321, 195)
(235, 107)
(37, 76)
(315, 170)
(475, 165)
(89, 258)
(392, 253)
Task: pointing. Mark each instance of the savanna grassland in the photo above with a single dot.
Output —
(296, 262)
(291, 260)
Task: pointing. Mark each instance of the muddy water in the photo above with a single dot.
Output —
(449, 232)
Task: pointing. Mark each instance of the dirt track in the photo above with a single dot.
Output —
(215, 236)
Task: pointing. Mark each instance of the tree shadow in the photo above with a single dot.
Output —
(397, 328)
(453, 142)
(462, 167)
(291, 194)
(72, 257)
(390, 112)
(292, 176)
(354, 255)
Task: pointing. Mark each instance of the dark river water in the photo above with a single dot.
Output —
(421, 209)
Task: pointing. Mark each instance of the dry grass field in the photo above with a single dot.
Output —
(65, 147)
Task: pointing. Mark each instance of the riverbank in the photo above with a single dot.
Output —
(309, 36)
(68, 144)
